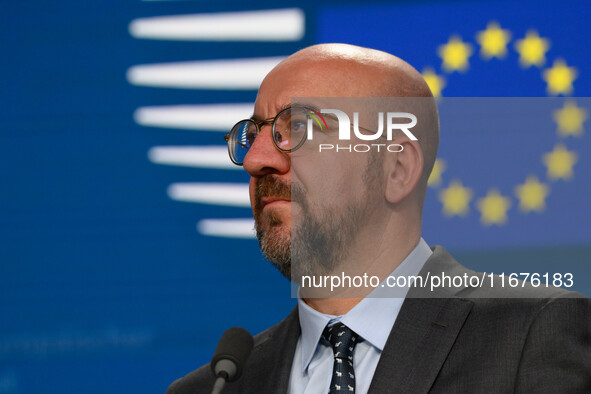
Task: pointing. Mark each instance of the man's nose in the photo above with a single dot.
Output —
(264, 158)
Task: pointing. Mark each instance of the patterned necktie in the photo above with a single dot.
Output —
(343, 341)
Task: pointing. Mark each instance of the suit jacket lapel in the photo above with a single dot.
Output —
(274, 350)
(423, 335)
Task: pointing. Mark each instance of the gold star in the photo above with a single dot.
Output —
(493, 41)
(560, 163)
(560, 78)
(436, 82)
(532, 49)
(435, 177)
(455, 54)
(455, 199)
(493, 208)
(570, 119)
(532, 195)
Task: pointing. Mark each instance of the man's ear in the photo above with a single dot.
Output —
(402, 170)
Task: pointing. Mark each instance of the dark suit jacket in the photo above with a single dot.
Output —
(455, 341)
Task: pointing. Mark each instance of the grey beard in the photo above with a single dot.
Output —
(317, 244)
(275, 246)
(320, 244)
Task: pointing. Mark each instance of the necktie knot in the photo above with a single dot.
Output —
(342, 339)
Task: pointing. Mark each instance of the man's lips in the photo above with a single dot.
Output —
(270, 200)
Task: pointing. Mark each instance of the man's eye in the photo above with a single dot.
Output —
(298, 127)
(250, 138)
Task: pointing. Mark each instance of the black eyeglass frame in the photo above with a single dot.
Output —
(260, 123)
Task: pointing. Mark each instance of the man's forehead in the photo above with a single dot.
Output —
(318, 79)
(271, 102)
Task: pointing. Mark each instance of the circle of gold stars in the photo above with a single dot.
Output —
(494, 42)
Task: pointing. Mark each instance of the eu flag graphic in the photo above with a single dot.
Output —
(491, 188)
(127, 235)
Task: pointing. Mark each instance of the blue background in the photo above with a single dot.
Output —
(105, 284)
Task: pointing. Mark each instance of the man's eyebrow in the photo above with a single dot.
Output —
(309, 106)
(258, 118)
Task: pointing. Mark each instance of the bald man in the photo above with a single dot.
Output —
(329, 213)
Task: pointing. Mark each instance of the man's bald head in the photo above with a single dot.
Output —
(342, 70)
(375, 73)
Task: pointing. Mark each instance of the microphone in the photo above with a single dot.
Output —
(230, 356)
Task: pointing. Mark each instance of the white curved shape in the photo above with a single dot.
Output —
(267, 25)
(232, 74)
(227, 194)
(193, 156)
(227, 228)
(211, 117)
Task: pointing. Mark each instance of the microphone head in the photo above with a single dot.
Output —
(234, 346)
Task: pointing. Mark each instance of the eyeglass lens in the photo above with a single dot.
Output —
(288, 131)
(242, 137)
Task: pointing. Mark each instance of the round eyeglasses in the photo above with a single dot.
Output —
(288, 129)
